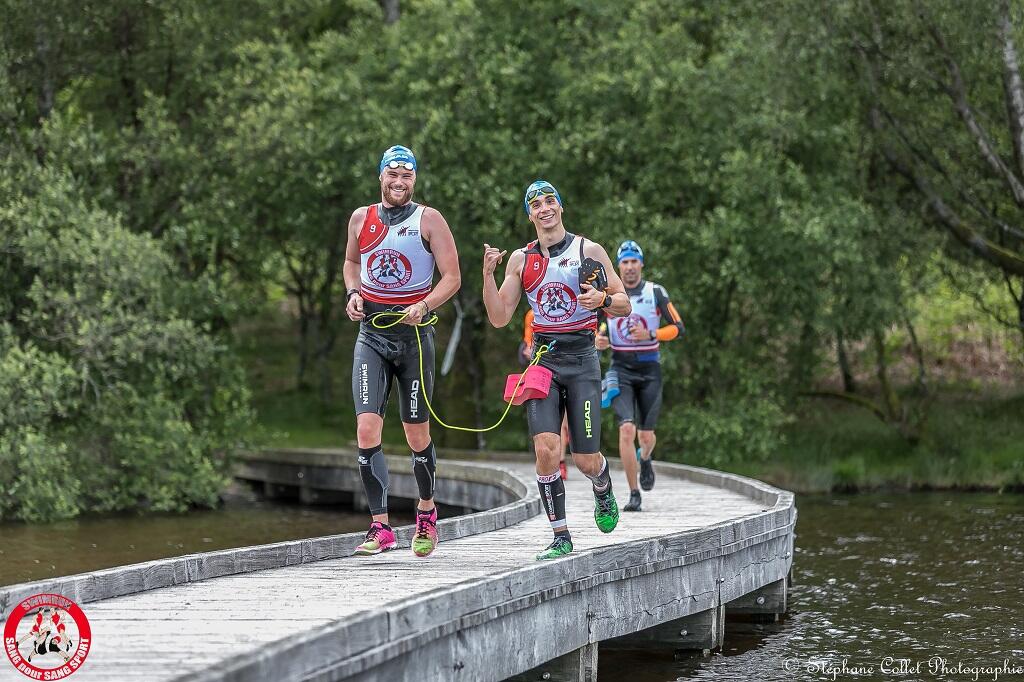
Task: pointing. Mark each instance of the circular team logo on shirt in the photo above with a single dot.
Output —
(47, 637)
(556, 301)
(389, 269)
(624, 324)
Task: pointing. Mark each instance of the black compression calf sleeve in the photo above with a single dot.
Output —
(603, 481)
(552, 494)
(424, 464)
(373, 469)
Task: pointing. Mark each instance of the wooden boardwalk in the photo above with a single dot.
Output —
(479, 608)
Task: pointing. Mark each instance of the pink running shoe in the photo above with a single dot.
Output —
(425, 539)
(379, 538)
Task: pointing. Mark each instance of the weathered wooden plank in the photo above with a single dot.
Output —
(699, 631)
(576, 666)
(767, 600)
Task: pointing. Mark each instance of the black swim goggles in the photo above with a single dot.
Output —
(407, 165)
(543, 190)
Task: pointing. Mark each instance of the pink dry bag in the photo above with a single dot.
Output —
(535, 384)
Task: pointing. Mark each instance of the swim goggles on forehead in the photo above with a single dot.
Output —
(544, 190)
(398, 157)
(537, 189)
(629, 249)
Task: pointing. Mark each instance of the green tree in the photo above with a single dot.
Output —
(111, 397)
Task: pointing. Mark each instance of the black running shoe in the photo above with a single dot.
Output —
(634, 501)
(646, 474)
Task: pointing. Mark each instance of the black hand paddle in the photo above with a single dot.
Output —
(593, 273)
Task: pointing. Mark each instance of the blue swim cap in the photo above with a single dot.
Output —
(398, 157)
(629, 249)
(537, 188)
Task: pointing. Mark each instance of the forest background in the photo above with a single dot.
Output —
(832, 193)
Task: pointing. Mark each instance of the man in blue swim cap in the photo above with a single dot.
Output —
(636, 360)
(393, 249)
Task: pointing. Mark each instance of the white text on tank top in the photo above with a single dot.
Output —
(645, 315)
(555, 296)
(394, 268)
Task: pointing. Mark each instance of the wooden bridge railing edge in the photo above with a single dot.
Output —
(133, 578)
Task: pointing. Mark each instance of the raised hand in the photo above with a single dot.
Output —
(492, 257)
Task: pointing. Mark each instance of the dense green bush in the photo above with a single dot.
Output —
(111, 397)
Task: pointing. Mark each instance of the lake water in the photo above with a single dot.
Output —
(936, 579)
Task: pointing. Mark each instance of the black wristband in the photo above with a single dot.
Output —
(607, 300)
(426, 309)
(350, 292)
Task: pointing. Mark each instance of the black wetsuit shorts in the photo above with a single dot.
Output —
(639, 398)
(379, 359)
(575, 391)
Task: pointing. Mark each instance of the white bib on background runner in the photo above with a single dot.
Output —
(552, 289)
(645, 315)
(395, 268)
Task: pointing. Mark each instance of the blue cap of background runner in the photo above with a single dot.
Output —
(629, 249)
(399, 154)
(536, 188)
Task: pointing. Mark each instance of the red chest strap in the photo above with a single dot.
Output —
(534, 268)
(373, 231)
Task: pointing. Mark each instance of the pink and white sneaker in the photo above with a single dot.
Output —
(425, 539)
(379, 538)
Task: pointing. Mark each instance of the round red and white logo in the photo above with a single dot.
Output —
(624, 325)
(47, 637)
(389, 269)
(557, 302)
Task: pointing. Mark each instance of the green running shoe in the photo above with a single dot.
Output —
(606, 511)
(559, 547)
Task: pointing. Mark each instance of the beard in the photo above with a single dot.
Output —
(396, 198)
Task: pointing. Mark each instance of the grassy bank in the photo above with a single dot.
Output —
(971, 442)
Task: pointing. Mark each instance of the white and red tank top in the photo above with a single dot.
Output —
(395, 266)
(552, 289)
(645, 315)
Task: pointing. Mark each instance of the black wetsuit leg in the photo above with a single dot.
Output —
(648, 398)
(372, 372)
(412, 395)
(639, 398)
(576, 392)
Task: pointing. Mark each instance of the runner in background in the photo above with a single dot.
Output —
(636, 360)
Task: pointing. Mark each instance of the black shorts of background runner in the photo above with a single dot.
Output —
(575, 391)
(379, 359)
(639, 398)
